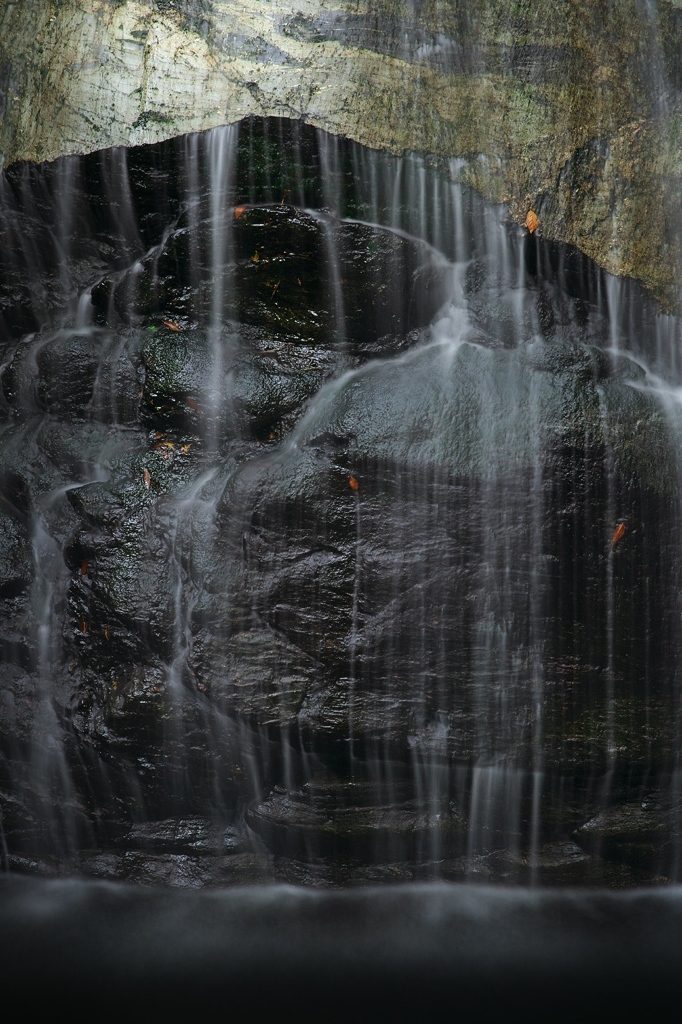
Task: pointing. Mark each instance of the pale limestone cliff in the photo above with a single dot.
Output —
(569, 107)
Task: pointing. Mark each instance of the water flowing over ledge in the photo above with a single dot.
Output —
(341, 528)
(570, 108)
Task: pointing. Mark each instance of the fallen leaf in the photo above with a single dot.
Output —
(354, 483)
(286, 193)
(186, 447)
(83, 626)
(274, 290)
(171, 325)
(299, 282)
(618, 534)
(239, 211)
(147, 478)
(255, 257)
(106, 632)
(84, 567)
(531, 221)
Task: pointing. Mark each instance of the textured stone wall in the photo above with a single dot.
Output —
(567, 106)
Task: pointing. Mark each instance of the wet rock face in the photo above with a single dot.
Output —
(571, 109)
(323, 554)
(398, 589)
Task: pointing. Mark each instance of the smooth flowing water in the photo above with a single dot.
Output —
(340, 528)
(408, 950)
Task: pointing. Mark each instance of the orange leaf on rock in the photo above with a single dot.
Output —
(618, 534)
(354, 483)
(171, 325)
(531, 221)
(147, 478)
(84, 567)
(239, 211)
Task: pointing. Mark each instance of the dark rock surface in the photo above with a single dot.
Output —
(307, 533)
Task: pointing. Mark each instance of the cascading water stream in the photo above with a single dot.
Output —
(340, 511)
(221, 149)
(333, 593)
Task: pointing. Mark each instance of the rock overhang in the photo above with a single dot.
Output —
(572, 112)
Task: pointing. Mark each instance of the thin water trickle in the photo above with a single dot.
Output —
(355, 615)
(222, 152)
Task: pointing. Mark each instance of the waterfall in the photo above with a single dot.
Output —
(339, 527)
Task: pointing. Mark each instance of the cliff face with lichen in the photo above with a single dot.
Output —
(568, 107)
